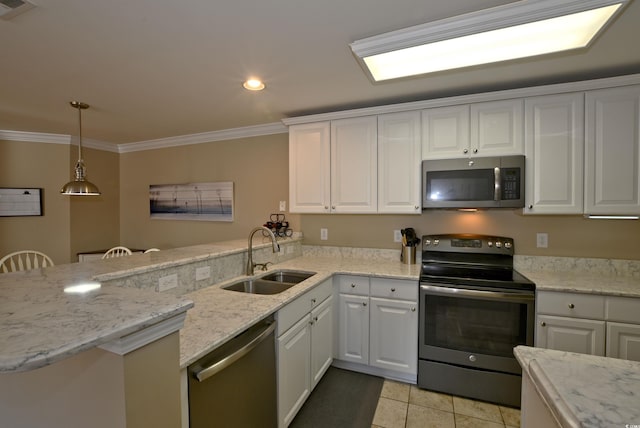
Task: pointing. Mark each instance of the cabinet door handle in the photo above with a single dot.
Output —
(416, 207)
(315, 319)
(465, 151)
(413, 309)
(364, 303)
(326, 207)
(353, 286)
(313, 301)
(530, 207)
(475, 150)
(571, 306)
(543, 324)
(393, 290)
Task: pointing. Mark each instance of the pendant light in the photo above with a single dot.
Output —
(80, 185)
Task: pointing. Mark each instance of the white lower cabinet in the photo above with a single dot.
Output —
(378, 323)
(353, 328)
(393, 338)
(583, 336)
(589, 324)
(304, 348)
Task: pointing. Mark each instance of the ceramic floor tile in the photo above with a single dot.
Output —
(510, 416)
(426, 417)
(464, 421)
(477, 409)
(390, 413)
(431, 399)
(395, 390)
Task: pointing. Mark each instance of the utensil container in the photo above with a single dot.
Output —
(408, 255)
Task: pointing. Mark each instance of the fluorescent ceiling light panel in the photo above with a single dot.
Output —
(517, 30)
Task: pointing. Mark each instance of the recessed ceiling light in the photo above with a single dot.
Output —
(515, 30)
(253, 84)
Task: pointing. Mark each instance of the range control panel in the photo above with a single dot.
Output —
(468, 243)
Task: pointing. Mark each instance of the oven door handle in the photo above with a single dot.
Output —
(497, 182)
(478, 294)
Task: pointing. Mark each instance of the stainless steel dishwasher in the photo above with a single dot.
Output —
(235, 384)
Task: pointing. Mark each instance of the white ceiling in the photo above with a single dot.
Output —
(152, 69)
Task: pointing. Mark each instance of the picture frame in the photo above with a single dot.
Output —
(20, 201)
(213, 201)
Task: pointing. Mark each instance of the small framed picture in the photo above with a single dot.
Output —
(17, 202)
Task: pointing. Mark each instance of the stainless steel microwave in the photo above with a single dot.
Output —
(491, 182)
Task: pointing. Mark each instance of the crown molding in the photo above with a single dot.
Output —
(42, 137)
(34, 137)
(205, 137)
(529, 91)
(183, 140)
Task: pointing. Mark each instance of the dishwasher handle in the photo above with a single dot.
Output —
(231, 358)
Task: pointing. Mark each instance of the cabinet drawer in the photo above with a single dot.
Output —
(623, 309)
(394, 289)
(570, 305)
(319, 294)
(351, 284)
(295, 310)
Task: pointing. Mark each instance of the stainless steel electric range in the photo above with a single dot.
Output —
(474, 309)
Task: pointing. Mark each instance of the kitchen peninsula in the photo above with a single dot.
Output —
(47, 332)
(565, 389)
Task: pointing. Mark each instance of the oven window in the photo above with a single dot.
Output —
(471, 185)
(473, 325)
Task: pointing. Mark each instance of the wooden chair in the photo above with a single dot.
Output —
(117, 252)
(24, 260)
(151, 250)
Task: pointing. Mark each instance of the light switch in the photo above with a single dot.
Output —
(283, 205)
(324, 234)
(542, 240)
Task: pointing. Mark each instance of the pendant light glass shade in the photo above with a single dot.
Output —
(80, 185)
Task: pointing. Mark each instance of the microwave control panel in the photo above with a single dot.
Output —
(510, 183)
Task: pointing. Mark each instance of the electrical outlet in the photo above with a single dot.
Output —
(283, 205)
(542, 240)
(324, 234)
(203, 273)
(397, 236)
(167, 282)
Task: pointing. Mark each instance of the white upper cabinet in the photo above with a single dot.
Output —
(309, 168)
(399, 163)
(445, 132)
(493, 128)
(496, 128)
(354, 165)
(554, 142)
(613, 151)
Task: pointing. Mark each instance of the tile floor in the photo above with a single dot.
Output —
(405, 406)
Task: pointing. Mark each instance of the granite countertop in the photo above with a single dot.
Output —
(218, 315)
(584, 390)
(584, 282)
(41, 324)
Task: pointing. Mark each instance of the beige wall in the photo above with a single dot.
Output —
(258, 167)
(37, 165)
(68, 224)
(571, 236)
(95, 220)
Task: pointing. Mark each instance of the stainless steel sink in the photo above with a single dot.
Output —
(288, 276)
(259, 286)
(273, 283)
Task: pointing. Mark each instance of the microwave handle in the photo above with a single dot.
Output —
(496, 184)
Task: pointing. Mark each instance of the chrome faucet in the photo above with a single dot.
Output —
(274, 243)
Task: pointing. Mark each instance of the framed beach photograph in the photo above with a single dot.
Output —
(18, 202)
(192, 201)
